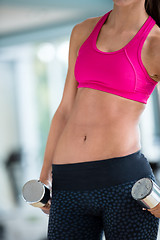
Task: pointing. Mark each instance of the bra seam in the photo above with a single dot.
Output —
(125, 50)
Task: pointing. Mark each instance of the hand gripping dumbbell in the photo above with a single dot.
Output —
(36, 193)
(146, 192)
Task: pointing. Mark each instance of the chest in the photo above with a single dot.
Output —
(109, 41)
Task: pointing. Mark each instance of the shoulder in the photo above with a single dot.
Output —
(155, 51)
(85, 26)
(82, 30)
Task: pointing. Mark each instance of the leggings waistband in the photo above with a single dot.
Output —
(100, 173)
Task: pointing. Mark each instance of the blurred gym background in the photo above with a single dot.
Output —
(34, 42)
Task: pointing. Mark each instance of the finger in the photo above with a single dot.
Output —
(156, 207)
(155, 213)
(150, 209)
(46, 207)
(153, 210)
(46, 212)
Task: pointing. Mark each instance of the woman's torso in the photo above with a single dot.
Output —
(101, 125)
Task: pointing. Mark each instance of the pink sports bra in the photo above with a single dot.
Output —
(120, 72)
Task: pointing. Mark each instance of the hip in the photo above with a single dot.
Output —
(101, 173)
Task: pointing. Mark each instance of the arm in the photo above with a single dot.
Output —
(57, 125)
(56, 128)
(62, 114)
(79, 34)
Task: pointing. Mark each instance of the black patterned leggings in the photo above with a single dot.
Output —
(90, 198)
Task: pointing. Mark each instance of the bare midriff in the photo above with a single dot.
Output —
(101, 126)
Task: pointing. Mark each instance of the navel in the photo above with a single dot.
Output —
(85, 137)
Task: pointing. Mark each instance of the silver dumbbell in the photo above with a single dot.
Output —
(146, 192)
(36, 193)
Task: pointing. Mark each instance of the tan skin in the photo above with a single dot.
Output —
(102, 125)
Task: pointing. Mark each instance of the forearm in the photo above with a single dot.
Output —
(57, 125)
